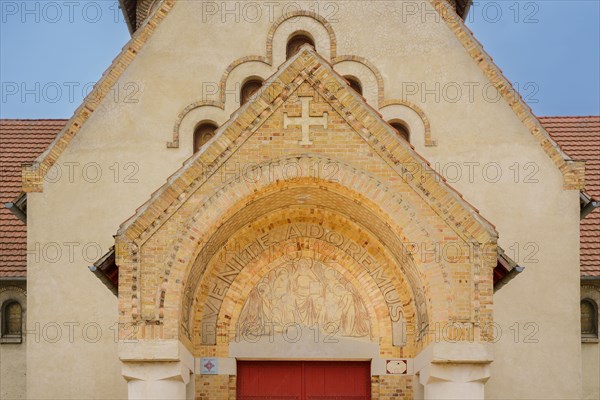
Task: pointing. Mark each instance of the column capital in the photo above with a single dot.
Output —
(155, 350)
(454, 370)
(455, 353)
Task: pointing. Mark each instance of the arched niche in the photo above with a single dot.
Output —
(410, 117)
(233, 81)
(368, 79)
(191, 120)
(319, 31)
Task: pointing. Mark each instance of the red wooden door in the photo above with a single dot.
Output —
(303, 380)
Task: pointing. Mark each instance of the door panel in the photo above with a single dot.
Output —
(336, 380)
(273, 381)
(303, 380)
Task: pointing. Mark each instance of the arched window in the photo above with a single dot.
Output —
(12, 319)
(402, 129)
(296, 42)
(354, 84)
(589, 318)
(249, 89)
(203, 133)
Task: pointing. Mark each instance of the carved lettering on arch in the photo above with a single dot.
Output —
(257, 311)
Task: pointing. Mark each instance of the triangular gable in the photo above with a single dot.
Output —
(33, 176)
(308, 66)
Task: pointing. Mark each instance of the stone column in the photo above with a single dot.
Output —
(158, 369)
(453, 370)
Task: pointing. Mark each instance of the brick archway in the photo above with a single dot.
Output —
(209, 219)
(367, 174)
(354, 170)
(188, 261)
(300, 232)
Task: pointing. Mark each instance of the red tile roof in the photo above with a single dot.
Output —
(579, 137)
(21, 142)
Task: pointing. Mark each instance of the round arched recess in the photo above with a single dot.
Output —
(329, 241)
(417, 127)
(589, 318)
(402, 128)
(13, 295)
(303, 25)
(212, 215)
(249, 88)
(296, 41)
(185, 130)
(203, 132)
(308, 191)
(235, 79)
(371, 89)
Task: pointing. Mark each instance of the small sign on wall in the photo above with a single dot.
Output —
(396, 367)
(209, 366)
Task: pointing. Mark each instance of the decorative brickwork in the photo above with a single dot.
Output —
(202, 103)
(268, 60)
(304, 208)
(301, 13)
(321, 235)
(211, 387)
(394, 387)
(144, 8)
(357, 181)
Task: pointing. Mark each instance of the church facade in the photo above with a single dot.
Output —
(298, 194)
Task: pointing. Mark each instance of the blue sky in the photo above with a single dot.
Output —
(52, 52)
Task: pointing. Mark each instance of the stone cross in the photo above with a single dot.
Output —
(305, 121)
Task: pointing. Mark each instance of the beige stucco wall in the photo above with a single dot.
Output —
(591, 370)
(12, 355)
(184, 55)
(12, 371)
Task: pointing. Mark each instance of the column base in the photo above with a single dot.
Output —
(156, 380)
(154, 370)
